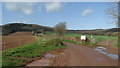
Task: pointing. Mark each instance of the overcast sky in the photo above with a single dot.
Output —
(78, 15)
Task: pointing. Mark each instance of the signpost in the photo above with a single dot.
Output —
(83, 37)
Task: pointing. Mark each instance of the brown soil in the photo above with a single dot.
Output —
(46, 61)
(16, 39)
(106, 43)
(78, 55)
(110, 48)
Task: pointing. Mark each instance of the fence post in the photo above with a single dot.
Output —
(19, 42)
(4, 46)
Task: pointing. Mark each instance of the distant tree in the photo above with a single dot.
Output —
(60, 29)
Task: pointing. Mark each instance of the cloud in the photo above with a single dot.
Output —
(87, 12)
(55, 6)
(26, 8)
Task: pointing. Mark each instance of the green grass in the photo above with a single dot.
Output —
(116, 43)
(98, 38)
(81, 43)
(49, 32)
(72, 34)
(19, 56)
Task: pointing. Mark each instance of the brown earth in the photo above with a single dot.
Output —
(78, 55)
(106, 43)
(17, 39)
(110, 47)
(111, 50)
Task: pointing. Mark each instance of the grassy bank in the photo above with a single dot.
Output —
(97, 39)
(22, 55)
(81, 43)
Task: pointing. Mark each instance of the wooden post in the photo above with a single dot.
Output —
(4, 46)
(19, 42)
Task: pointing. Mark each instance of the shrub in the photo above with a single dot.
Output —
(54, 42)
(60, 29)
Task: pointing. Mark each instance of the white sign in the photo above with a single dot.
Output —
(83, 37)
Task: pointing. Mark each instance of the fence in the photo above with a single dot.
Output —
(7, 45)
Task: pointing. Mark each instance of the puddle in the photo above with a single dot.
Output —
(100, 49)
(50, 56)
(113, 56)
(44, 61)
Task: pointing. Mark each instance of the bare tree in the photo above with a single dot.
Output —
(114, 13)
(60, 29)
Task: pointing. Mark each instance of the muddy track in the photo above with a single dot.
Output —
(78, 55)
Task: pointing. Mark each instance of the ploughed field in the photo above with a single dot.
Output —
(17, 39)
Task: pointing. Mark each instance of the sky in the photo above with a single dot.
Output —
(77, 15)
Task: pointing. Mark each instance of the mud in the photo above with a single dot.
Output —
(100, 49)
(47, 60)
(50, 56)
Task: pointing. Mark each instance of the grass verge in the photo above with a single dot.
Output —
(81, 43)
(22, 55)
(97, 39)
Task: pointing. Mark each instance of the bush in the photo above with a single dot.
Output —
(54, 42)
(60, 29)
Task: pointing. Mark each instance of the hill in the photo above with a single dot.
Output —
(15, 27)
(110, 32)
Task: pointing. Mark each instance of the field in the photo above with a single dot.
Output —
(17, 39)
(98, 38)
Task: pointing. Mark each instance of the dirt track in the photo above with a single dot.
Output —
(78, 55)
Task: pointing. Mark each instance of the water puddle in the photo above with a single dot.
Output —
(44, 61)
(50, 56)
(100, 49)
(113, 56)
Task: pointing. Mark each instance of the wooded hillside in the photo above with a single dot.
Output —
(16, 27)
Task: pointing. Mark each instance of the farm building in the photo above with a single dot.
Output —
(38, 32)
